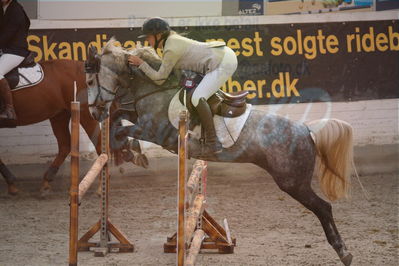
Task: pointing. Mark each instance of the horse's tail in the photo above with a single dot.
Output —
(334, 143)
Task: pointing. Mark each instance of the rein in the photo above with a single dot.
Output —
(150, 93)
(138, 73)
(94, 68)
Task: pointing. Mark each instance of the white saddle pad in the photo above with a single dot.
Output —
(29, 76)
(227, 129)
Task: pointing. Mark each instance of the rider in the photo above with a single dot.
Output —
(14, 26)
(213, 59)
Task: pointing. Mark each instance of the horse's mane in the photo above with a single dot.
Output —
(146, 53)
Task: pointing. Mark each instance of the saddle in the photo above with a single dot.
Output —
(13, 77)
(221, 103)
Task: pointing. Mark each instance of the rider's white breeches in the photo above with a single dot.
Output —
(216, 78)
(8, 62)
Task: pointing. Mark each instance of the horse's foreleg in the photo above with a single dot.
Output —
(134, 153)
(307, 197)
(10, 179)
(129, 150)
(134, 131)
(60, 126)
(92, 128)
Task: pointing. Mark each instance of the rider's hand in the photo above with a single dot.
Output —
(134, 60)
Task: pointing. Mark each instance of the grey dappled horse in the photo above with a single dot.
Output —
(285, 149)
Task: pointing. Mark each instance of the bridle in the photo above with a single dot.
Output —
(94, 68)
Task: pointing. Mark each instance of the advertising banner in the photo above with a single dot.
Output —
(282, 63)
(386, 4)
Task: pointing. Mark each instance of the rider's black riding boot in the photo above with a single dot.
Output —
(8, 117)
(212, 144)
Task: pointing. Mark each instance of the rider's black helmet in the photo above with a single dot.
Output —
(154, 26)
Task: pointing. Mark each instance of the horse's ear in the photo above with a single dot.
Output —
(92, 64)
(91, 52)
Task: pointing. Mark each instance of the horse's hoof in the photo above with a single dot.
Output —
(127, 155)
(12, 190)
(121, 170)
(45, 189)
(140, 160)
(44, 192)
(347, 260)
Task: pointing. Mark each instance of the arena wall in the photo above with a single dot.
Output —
(127, 9)
(102, 9)
(375, 121)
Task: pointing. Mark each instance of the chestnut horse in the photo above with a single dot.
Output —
(50, 99)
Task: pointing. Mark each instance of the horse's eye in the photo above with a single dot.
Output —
(90, 82)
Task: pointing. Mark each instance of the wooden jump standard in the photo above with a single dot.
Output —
(77, 191)
(196, 229)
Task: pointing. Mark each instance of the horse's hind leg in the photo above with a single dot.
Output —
(60, 126)
(10, 179)
(304, 194)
